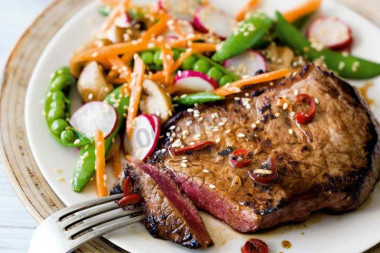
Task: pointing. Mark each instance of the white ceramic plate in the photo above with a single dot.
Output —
(351, 232)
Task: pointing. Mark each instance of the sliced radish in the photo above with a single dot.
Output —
(145, 136)
(92, 116)
(180, 9)
(247, 63)
(184, 26)
(331, 32)
(190, 81)
(123, 20)
(209, 18)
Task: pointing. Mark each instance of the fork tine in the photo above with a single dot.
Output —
(108, 227)
(100, 219)
(85, 214)
(81, 206)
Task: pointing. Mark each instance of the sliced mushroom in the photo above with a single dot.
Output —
(92, 84)
(279, 57)
(155, 100)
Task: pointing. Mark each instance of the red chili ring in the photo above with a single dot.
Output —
(240, 154)
(254, 246)
(304, 118)
(268, 179)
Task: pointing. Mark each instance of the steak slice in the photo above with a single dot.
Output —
(170, 214)
(331, 163)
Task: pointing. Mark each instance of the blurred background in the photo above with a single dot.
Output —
(16, 225)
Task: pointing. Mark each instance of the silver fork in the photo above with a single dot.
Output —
(70, 227)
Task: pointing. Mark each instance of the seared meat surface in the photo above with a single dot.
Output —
(170, 214)
(332, 162)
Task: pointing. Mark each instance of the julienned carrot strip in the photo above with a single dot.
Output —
(123, 70)
(100, 164)
(161, 77)
(111, 18)
(121, 81)
(236, 86)
(107, 51)
(167, 60)
(172, 89)
(184, 42)
(138, 78)
(302, 10)
(158, 28)
(203, 47)
(116, 164)
(249, 6)
(181, 59)
(111, 2)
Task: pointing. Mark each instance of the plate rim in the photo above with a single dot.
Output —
(8, 71)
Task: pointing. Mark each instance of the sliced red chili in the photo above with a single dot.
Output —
(305, 117)
(270, 165)
(240, 158)
(195, 147)
(127, 186)
(254, 246)
(129, 200)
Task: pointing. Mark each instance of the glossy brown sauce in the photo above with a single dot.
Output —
(286, 244)
(364, 92)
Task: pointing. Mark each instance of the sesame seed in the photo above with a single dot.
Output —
(254, 125)
(295, 92)
(277, 114)
(77, 141)
(192, 143)
(105, 177)
(227, 131)
(241, 135)
(61, 179)
(316, 100)
(237, 98)
(190, 110)
(285, 106)
(217, 140)
(258, 122)
(95, 54)
(184, 165)
(206, 171)
(90, 96)
(188, 123)
(212, 186)
(172, 127)
(290, 131)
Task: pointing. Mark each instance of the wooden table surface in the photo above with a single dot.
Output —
(16, 225)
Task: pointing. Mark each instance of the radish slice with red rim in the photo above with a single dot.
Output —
(92, 116)
(247, 63)
(331, 32)
(180, 9)
(190, 81)
(144, 138)
(209, 18)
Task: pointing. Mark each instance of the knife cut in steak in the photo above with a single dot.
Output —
(330, 163)
(170, 214)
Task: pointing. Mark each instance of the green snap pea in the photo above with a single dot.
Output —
(58, 126)
(55, 113)
(189, 62)
(225, 80)
(249, 34)
(157, 58)
(215, 73)
(225, 71)
(105, 10)
(197, 98)
(147, 57)
(67, 136)
(85, 167)
(57, 110)
(202, 66)
(345, 65)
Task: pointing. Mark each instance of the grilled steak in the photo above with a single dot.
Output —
(330, 163)
(170, 214)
